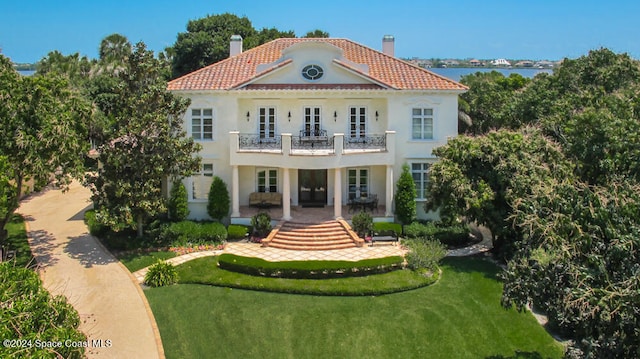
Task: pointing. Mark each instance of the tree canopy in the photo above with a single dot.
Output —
(558, 185)
(206, 40)
(43, 126)
(143, 146)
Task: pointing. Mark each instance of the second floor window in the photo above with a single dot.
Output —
(267, 122)
(202, 124)
(357, 122)
(422, 124)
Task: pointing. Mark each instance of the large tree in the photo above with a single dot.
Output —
(578, 260)
(207, 41)
(144, 145)
(43, 125)
(488, 99)
(477, 178)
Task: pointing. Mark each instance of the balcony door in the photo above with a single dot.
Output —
(312, 121)
(312, 186)
(357, 122)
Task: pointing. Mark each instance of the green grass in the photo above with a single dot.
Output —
(458, 317)
(17, 240)
(205, 271)
(137, 261)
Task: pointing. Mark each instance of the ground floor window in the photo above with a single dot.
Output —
(420, 174)
(201, 182)
(358, 180)
(267, 180)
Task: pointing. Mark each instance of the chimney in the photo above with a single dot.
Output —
(235, 47)
(388, 45)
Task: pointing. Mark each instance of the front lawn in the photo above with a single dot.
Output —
(458, 317)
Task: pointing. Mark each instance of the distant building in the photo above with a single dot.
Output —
(544, 64)
(524, 64)
(475, 63)
(500, 62)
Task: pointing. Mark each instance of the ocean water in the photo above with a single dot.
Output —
(455, 73)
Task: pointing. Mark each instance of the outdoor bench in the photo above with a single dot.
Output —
(388, 236)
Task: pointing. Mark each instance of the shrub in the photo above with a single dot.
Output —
(261, 224)
(237, 231)
(386, 227)
(308, 269)
(218, 205)
(160, 274)
(193, 233)
(178, 202)
(424, 255)
(362, 223)
(95, 227)
(454, 235)
(29, 312)
(405, 197)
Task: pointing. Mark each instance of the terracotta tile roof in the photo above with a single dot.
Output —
(239, 71)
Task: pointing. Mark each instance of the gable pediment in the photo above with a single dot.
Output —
(314, 63)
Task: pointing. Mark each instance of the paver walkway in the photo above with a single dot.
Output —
(73, 263)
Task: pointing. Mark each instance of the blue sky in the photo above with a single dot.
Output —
(483, 29)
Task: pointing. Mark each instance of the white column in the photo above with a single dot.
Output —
(286, 195)
(337, 193)
(235, 192)
(388, 211)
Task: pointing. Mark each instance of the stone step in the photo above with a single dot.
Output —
(312, 236)
(327, 247)
(294, 242)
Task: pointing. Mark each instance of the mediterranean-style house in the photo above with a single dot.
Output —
(314, 122)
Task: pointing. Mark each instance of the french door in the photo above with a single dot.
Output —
(312, 121)
(312, 187)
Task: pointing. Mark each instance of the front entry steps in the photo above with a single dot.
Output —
(313, 236)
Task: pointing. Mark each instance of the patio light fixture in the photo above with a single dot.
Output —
(289, 116)
(376, 116)
(335, 116)
(248, 116)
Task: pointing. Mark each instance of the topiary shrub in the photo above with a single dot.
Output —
(161, 274)
(237, 231)
(424, 255)
(261, 224)
(178, 202)
(218, 205)
(405, 197)
(362, 223)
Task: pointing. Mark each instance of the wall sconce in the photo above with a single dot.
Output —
(248, 116)
(289, 116)
(376, 115)
(335, 116)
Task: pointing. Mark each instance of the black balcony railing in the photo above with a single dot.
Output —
(259, 142)
(366, 142)
(312, 140)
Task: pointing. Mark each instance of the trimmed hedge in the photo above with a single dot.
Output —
(308, 269)
(194, 233)
(386, 227)
(237, 231)
(455, 235)
(205, 271)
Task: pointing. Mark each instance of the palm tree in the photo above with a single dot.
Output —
(114, 48)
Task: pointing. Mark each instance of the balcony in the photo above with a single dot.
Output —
(312, 150)
(259, 142)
